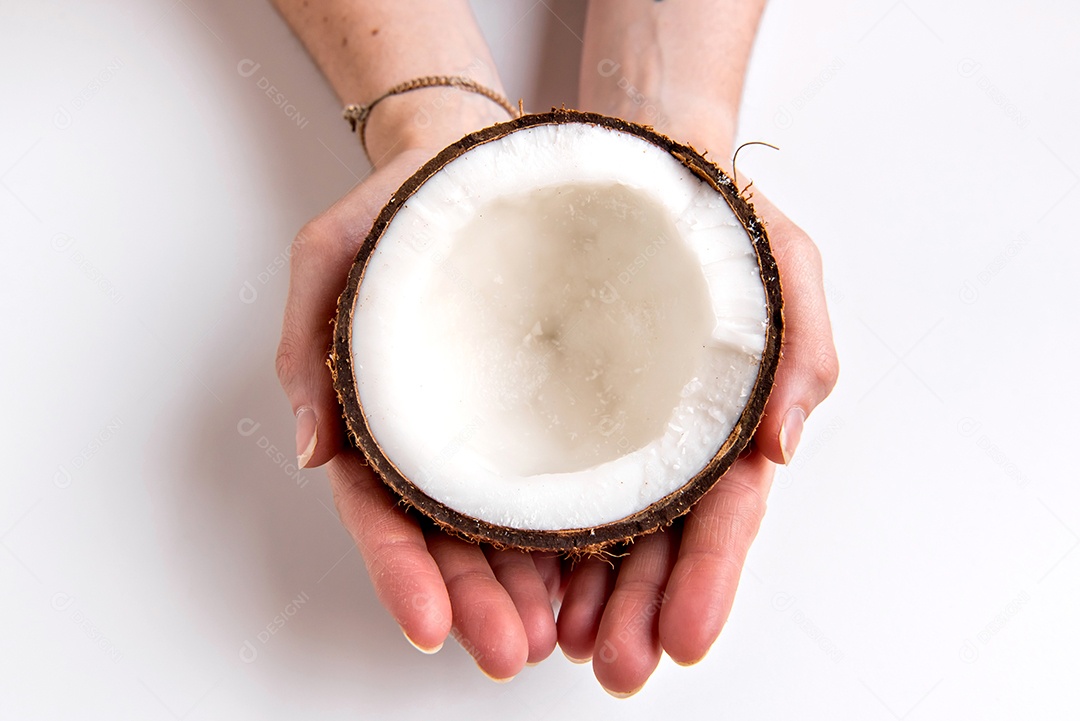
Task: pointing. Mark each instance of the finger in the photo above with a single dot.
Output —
(591, 582)
(549, 566)
(808, 366)
(628, 640)
(320, 258)
(716, 537)
(518, 574)
(406, 579)
(486, 622)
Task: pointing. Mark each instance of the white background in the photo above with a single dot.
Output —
(918, 560)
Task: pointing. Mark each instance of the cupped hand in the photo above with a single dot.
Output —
(498, 604)
(672, 591)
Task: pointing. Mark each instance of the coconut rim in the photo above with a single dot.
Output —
(657, 515)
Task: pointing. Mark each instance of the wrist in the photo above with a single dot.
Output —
(427, 119)
(708, 128)
(678, 67)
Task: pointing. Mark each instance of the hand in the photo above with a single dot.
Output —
(673, 590)
(498, 604)
(680, 67)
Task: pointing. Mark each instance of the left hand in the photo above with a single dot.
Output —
(673, 590)
(497, 604)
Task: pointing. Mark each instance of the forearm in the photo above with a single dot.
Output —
(366, 47)
(678, 65)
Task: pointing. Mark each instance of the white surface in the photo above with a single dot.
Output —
(456, 381)
(918, 561)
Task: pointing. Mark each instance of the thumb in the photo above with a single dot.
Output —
(808, 365)
(320, 259)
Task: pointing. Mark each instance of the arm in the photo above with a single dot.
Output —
(679, 62)
(679, 66)
(365, 48)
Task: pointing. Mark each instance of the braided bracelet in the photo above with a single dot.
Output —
(358, 115)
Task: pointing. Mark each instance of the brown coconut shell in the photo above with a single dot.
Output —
(579, 540)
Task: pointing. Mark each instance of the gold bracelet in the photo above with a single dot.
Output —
(357, 115)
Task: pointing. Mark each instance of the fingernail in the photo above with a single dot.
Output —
(496, 680)
(571, 659)
(420, 648)
(688, 663)
(791, 432)
(623, 694)
(307, 435)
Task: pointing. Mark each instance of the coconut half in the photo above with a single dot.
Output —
(559, 333)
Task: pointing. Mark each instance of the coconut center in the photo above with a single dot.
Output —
(569, 320)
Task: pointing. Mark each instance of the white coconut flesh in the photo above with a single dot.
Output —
(558, 329)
